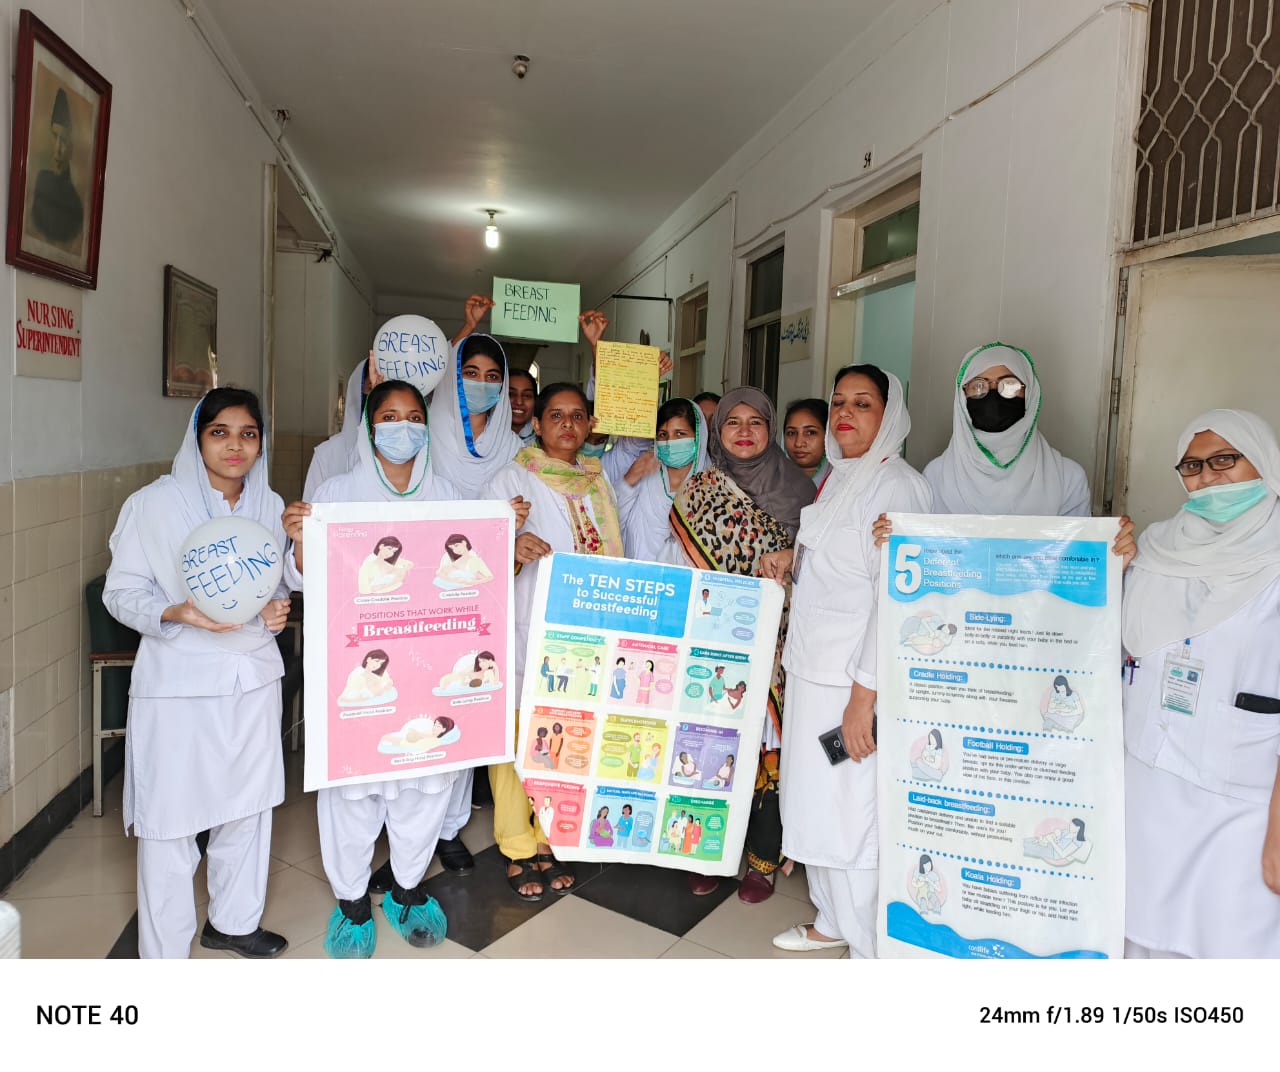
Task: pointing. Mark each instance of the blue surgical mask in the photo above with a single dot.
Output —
(399, 441)
(1225, 502)
(481, 397)
(592, 450)
(677, 453)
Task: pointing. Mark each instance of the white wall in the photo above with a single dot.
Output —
(1021, 202)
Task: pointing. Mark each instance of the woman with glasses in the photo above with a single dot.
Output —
(727, 517)
(997, 461)
(1202, 704)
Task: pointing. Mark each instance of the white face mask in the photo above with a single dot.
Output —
(399, 441)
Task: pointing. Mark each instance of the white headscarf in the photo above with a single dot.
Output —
(471, 466)
(646, 512)
(1009, 472)
(184, 500)
(337, 453)
(367, 482)
(1192, 574)
(850, 477)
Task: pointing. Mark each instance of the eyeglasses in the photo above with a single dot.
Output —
(1008, 386)
(1219, 463)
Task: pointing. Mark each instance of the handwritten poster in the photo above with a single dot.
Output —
(644, 702)
(545, 312)
(408, 638)
(627, 389)
(1000, 741)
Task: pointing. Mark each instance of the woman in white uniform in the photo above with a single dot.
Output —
(829, 812)
(333, 457)
(203, 747)
(997, 461)
(681, 451)
(572, 508)
(1202, 704)
(392, 466)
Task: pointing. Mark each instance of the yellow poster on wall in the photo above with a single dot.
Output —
(626, 400)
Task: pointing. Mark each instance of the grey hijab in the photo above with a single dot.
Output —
(774, 482)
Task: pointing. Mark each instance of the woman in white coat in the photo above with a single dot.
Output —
(681, 451)
(829, 812)
(997, 461)
(572, 508)
(1202, 704)
(203, 747)
(393, 466)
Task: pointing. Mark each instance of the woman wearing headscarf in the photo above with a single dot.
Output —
(829, 811)
(727, 518)
(1202, 704)
(392, 465)
(333, 457)
(681, 451)
(997, 461)
(203, 748)
(572, 508)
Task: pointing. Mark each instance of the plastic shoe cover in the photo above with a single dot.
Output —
(420, 925)
(346, 940)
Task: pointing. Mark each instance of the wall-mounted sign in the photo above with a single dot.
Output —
(796, 331)
(48, 334)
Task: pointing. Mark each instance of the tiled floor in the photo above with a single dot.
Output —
(78, 899)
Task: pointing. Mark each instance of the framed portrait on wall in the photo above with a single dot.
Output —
(61, 114)
(190, 335)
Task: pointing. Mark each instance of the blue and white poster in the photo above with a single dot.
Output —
(644, 702)
(1000, 739)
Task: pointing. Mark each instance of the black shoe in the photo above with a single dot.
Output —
(259, 944)
(380, 881)
(455, 857)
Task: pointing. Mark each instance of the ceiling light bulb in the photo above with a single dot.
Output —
(491, 236)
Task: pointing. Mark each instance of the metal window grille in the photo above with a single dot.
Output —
(1209, 132)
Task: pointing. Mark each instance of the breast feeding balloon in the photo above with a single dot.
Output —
(413, 349)
(231, 567)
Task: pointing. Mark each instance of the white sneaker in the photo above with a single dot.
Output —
(796, 940)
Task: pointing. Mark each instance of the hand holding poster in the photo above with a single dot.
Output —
(645, 692)
(546, 312)
(627, 389)
(1000, 751)
(408, 639)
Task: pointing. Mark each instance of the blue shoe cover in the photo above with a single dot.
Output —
(420, 925)
(345, 940)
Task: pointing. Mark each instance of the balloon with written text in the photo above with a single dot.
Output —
(411, 348)
(231, 567)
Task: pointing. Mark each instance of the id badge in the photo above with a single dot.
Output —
(1180, 684)
(796, 561)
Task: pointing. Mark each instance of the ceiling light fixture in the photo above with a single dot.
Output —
(491, 231)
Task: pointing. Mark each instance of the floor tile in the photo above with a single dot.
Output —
(687, 950)
(574, 927)
(73, 866)
(482, 906)
(109, 824)
(295, 831)
(654, 895)
(298, 905)
(746, 931)
(795, 886)
(83, 926)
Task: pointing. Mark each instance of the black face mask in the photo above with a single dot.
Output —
(995, 413)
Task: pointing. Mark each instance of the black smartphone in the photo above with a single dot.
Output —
(833, 744)
(1262, 705)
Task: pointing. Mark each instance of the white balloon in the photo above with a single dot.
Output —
(411, 348)
(231, 567)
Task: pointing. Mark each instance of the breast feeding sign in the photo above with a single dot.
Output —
(1000, 739)
(546, 312)
(408, 639)
(645, 690)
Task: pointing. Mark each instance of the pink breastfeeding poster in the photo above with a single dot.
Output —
(407, 634)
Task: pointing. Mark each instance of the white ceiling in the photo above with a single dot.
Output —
(408, 121)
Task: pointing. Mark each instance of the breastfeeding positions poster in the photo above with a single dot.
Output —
(644, 701)
(407, 634)
(1000, 739)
